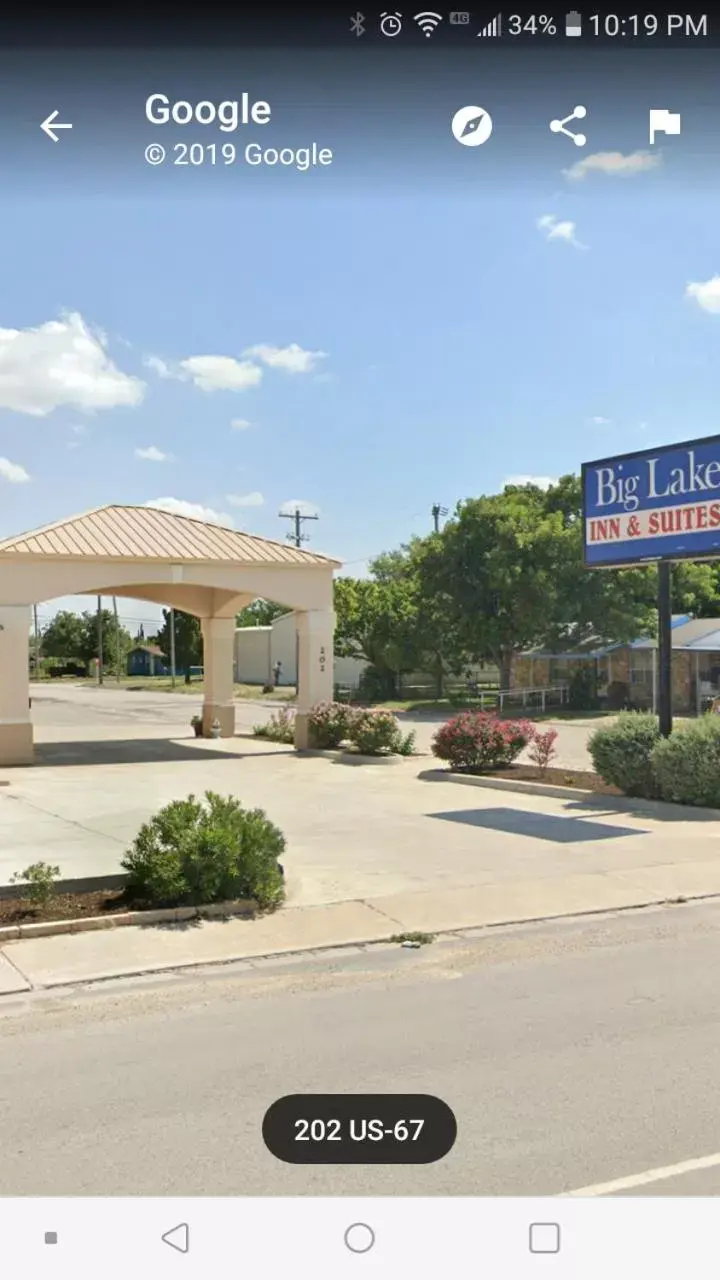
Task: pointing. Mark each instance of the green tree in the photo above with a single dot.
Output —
(507, 573)
(62, 636)
(261, 613)
(376, 621)
(116, 641)
(188, 641)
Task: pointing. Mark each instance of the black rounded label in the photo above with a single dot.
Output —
(359, 1128)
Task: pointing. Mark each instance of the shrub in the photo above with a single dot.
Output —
(479, 740)
(376, 684)
(687, 764)
(622, 752)
(40, 879)
(582, 689)
(279, 728)
(329, 724)
(212, 850)
(376, 732)
(542, 749)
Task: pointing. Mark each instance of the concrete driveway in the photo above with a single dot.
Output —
(109, 759)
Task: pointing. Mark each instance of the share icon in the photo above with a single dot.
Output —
(558, 126)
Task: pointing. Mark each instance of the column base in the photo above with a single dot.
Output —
(224, 714)
(303, 740)
(16, 744)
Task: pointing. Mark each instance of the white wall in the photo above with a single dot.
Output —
(257, 649)
(252, 655)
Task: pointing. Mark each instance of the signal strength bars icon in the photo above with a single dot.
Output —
(493, 28)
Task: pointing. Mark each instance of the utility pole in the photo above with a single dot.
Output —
(117, 641)
(100, 639)
(436, 512)
(298, 537)
(36, 631)
(172, 647)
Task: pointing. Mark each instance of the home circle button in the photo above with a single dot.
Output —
(359, 1238)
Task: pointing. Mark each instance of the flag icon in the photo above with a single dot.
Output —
(662, 121)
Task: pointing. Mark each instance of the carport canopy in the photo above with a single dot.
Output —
(145, 553)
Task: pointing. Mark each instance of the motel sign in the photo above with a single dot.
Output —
(661, 504)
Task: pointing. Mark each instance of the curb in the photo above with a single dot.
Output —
(121, 919)
(683, 812)
(340, 756)
(384, 940)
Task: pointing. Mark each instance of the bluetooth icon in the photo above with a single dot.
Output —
(357, 24)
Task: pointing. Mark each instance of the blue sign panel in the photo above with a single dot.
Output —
(661, 504)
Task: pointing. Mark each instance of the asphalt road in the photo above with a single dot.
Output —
(572, 1054)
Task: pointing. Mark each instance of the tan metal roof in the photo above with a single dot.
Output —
(147, 533)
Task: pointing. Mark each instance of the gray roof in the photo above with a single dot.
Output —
(697, 634)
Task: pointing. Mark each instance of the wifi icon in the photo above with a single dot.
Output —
(427, 22)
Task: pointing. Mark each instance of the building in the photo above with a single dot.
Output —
(147, 660)
(258, 649)
(627, 673)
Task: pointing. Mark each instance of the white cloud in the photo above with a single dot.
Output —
(151, 454)
(707, 294)
(158, 366)
(193, 510)
(221, 373)
(614, 164)
(299, 504)
(541, 482)
(13, 472)
(62, 363)
(600, 421)
(292, 359)
(241, 424)
(245, 499)
(559, 229)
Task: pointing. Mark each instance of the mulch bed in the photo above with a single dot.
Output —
(582, 779)
(64, 906)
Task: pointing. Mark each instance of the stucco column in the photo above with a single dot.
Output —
(218, 658)
(16, 735)
(315, 629)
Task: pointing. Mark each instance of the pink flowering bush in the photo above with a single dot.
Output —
(330, 724)
(375, 731)
(478, 740)
(542, 749)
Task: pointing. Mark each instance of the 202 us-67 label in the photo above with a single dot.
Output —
(385, 1128)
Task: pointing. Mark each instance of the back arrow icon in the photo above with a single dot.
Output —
(51, 124)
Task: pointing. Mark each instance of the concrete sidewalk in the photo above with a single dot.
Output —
(68, 959)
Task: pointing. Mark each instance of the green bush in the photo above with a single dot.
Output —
(376, 732)
(687, 764)
(279, 728)
(582, 689)
(40, 879)
(329, 724)
(622, 753)
(201, 851)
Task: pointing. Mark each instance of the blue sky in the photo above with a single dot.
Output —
(369, 340)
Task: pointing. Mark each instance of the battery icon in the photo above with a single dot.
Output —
(573, 24)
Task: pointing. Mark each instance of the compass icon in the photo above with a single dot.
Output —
(471, 126)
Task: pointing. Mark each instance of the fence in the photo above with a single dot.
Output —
(484, 698)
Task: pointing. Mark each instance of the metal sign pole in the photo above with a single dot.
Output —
(665, 647)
